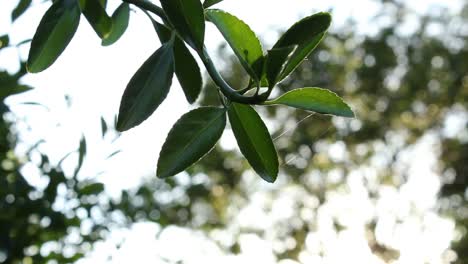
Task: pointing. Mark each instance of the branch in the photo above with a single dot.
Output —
(228, 91)
(146, 5)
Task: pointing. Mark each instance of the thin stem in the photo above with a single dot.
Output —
(228, 91)
(146, 5)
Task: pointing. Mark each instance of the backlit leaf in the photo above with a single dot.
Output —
(209, 3)
(186, 67)
(188, 19)
(120, 19)
(20, 9)
(315, 99)
(147, 89)
(254, 140)
(192, 137)
(276, 61)
(306, 34)
(97, 17)
(242, 40)
(55, 31)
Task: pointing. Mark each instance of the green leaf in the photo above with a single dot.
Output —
(120, 19)
(104, 127)
(209, 3)
(306, 34)
(192, 137)
(4, 41)
(242, 40)
(187, 71)
(20, 9)
(276, 62)
(315, 99)
(97, 17)
(55, 31)
(81, 155)
(91, 189)
(164, 33)
(254, 140)
(186, 67)
(6, 91)
(147, 89)
(188, 19)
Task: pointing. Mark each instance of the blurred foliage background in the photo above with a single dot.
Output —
(367, 180)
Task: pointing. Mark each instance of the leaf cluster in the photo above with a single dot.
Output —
(181, 28)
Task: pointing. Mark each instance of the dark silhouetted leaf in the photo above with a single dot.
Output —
(315, 99)
(209, 3)
(147, 89)
(188, 19)
(104, 127)
(306, 34)
(186, 67)
(55, 31)
(6, 91)
(187, 71)
(276, 62)
(97, 17)
(4, 41)
(120, 19)
(81, 155)
(242, 40)
(192, 136)
(254, 140)
(20, 9)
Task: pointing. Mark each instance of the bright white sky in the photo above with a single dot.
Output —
(95, 78)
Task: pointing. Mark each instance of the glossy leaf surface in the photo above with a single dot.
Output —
(254, 140)
(315, 99)
(55, 31)
(242, 40)
(192, 137)
(120, 19)
(147, 89)
(188, 19)
(306, 34)
(97, 17)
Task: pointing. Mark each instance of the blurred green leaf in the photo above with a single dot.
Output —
(192, 137)
(315, 99)
(147, 89)
(188, 19)
(22, 6)
(92, 189)
(120, 19)
(242, 40)
(97, 17)
(209, 3)
(81, 155)
(55, 31)
(4, 41)
(6, 91)
(254, 140)
(306, 34)
(104, 127)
